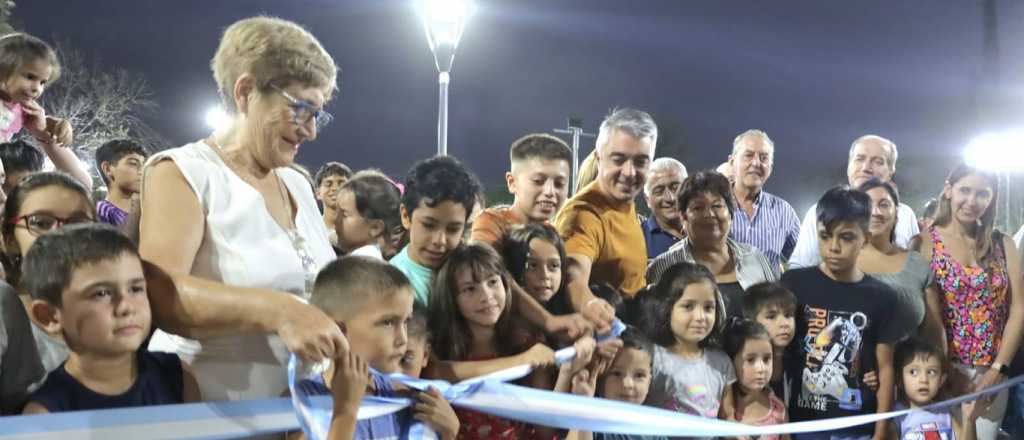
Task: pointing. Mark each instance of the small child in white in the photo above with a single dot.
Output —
(923, 377)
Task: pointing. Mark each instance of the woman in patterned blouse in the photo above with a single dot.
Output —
(978, 272)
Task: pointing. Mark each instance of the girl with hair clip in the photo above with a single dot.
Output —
(368, 221)
(749, 345)
(684, 315)
(470, 314)
(978, 271)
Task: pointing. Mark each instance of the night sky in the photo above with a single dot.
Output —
(814, 74)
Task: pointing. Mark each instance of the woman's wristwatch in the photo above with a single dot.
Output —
(1001, 368)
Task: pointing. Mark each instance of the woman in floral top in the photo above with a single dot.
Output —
(976, 269)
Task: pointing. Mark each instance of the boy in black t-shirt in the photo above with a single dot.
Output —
(87, 283)
(840, 332)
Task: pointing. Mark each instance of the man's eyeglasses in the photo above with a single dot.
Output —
(303, 111)
(38, 224)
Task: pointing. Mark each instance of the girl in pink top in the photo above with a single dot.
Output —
(976, 268)
(750, 347)
(27, 66)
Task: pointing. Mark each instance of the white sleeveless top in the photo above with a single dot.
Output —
(243, 246)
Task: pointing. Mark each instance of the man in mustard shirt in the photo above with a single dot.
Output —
(603, 237)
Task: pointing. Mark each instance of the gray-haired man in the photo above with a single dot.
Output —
(603, 237)
(870, 157)
(665, 226)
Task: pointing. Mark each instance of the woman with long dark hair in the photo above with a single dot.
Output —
(976, 268)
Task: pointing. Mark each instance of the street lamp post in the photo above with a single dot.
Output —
(575, 129)
(444, 21)
(1001, 153)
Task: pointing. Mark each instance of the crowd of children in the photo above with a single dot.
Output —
(412, 295)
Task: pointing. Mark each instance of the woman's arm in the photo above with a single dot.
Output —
(172, 221)
(197, 308)
(190, 391)
(1014, 328)
(934, 323)
(932, 327)
(886, 385)
(964, 425)
(171, 230)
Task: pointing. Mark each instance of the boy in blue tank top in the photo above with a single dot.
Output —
(87, 283)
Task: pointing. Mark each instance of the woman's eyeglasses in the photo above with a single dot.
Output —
(38, 224)
(303, 111)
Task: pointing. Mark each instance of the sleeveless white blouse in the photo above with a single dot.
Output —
(243, 246)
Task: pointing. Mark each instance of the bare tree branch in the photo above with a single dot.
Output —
(101, 102)
(6, 8)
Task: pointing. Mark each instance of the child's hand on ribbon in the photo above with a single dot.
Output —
(538, 356)
(351, 377)
(871, 380)
(431, 408)
(608, 348)
(971, 411)
(600, 313)
(585, 348)
(584, 383)
(572, 325)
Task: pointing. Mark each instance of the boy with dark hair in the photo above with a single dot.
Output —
(87, 283)
(539, 179)
(438, 198)
(372, 302)
(329, 178)
(120, 164)
(774, 307)
(21, 158)
(840, 329)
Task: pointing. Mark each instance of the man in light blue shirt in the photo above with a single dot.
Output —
(762, 220)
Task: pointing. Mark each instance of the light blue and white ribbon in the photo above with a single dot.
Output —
(489, 394)
(315, 416)
(242, 419)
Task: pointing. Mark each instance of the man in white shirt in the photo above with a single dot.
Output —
(871, 156)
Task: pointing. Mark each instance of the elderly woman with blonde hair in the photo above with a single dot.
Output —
(236, 228)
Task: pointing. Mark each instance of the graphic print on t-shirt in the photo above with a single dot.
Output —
(832, 344)
(929, 431)
(700, 396)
